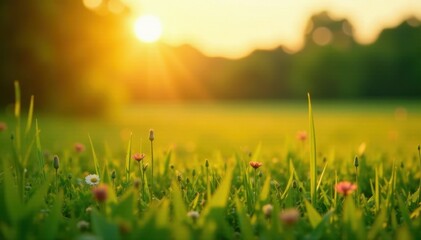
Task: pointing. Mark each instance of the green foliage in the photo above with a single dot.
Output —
(224, 198)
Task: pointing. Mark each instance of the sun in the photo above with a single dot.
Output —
(148, 28)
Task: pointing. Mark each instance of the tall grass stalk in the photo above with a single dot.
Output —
(128, 158)
(151, 138)
(255, 186)
(419, 187)
(313, 174)
(17, 116)
(30, 115)
(356, 164)
(208, 188)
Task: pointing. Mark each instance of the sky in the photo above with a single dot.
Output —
(235, 28)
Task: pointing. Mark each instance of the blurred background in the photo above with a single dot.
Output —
(88, 57)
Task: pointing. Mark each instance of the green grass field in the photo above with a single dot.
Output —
(203, 186)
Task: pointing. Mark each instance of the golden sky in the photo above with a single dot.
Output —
(234, 28)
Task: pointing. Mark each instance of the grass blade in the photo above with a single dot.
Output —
(128, 158)
(313, 216)
(12, 200)
(30, 114)
(97, 169)
(244, 222)
(17, 115)
(219, 199)
(313, 174)
(39, 154)
(103, 228)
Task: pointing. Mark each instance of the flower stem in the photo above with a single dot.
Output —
(255, 186)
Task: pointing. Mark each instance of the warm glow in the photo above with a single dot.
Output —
(233, 28)
(92, 3)
(148, 28)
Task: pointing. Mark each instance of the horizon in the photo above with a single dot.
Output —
(215, 36)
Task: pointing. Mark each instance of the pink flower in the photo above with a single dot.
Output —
(255, 165)
(139, 156)
(3, 126)
(345, 188)
(79, 147)
(302, 136)
(289, 216)
(100, 193)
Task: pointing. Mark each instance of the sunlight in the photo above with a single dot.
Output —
(148, 28)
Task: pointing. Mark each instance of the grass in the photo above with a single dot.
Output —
(202, 185)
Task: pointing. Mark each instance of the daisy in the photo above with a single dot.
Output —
(92, 179)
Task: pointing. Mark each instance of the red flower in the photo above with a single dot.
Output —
(100, 193)
(255, 165)
(79, 147)
(139, 156)
(345, 188)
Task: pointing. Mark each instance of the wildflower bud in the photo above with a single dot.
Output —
(289, 216)
(402, 165)
(136, 183)
(56, 162)
(69, 176)
(193, 173)
(267, 210)
(187, 180)
(207, 163)
(113, 175)
(172, 167)
(88, 210)
(194, 215)
(100, 193)
(83, 226)
(179, 178)
(294, 184)
(124, 227)
(356, 164)
(145, 167)
(151, 135)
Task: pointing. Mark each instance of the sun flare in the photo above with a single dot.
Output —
(148, 28)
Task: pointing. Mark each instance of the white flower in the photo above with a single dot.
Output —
(193, 215)
(92, 179)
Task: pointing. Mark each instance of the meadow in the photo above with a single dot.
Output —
(234, 170)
